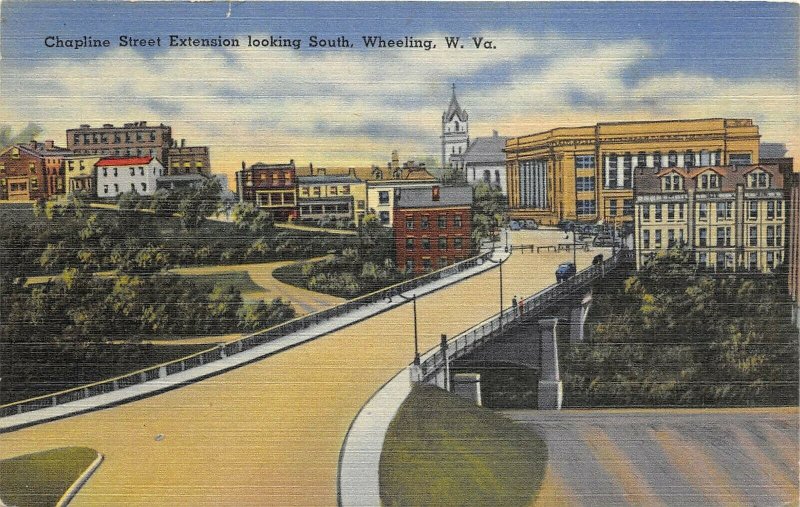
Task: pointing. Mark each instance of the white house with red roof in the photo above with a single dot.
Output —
(117, 175)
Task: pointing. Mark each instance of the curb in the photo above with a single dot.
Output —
(70, 493)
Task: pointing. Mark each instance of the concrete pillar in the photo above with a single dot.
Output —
(577, 320)
(162, 372)
(550, 391)
(468, 386)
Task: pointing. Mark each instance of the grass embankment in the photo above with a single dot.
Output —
(240, 280)
(442, 450)
(43, 477)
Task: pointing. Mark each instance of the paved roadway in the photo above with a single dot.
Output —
(668, 457)
(270, 433)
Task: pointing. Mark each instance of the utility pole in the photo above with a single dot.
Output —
(446, 363)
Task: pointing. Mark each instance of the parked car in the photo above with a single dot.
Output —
(566, 225)
(606, 239)
(514, 225)
(529, 224)
(565, 271)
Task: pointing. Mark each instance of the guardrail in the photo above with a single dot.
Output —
(433, 362)
(248, 342)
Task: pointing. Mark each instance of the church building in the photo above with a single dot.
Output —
(455, 134)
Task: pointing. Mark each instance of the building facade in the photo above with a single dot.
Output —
(588, 173)
(730, 217)
(117, 175)
(271, 187)
(131, 140)
(794, 244)
(79, 173)
(455, 134)
(337, 196)
(22, 174)
(381, 192)
(432, 227)
(485, 161)
(188, 159)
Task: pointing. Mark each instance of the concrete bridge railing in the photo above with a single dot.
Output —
(433, 365)
(162, 371)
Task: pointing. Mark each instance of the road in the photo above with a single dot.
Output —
(270, 433)
(668, 457)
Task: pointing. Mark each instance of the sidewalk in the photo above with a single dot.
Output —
(195, 374)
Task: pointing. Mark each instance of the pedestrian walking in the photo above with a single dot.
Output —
(514, 305)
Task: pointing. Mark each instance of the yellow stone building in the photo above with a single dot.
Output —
(338, 196)
(588, 173)
(79, 173)
(730, 218)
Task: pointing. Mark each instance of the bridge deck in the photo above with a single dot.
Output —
(269, 433)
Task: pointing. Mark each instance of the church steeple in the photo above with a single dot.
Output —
(455, 132)
(454, 109)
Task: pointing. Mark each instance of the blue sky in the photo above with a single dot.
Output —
(556, 64)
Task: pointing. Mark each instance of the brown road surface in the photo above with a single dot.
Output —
(269, 433)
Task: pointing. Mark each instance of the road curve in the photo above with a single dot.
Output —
(269, 433)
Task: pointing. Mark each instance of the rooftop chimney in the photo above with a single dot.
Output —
(311, 169)
(183, 141)
(244, 166)
(395, 160)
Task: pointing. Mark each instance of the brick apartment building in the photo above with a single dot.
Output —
(135, 139)
(31, 171)
(432, 227)
(271, 187)
(188, 159)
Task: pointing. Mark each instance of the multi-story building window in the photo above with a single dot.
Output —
(627, 207)
(612, 171)
(770, 210)
(753, 235)
(426, 243)
(702, 237)
(612, 207)
(672, 159)
(383, 197)
(586, 207)
(641, 159)
(646, 239)
(409, 243)
(702, 211)
(409, 223)
(702, 259)
(458, 243)
(409, 264)
(739, 159)
(770, 260)
(658, 212)
(657, 160)
(584, 161)
(424, 222)
(646, 213)
(770, 235)
(442, 262)
(724, 210)
(442, 221)
(752, 210)
(688, 159)
(670, 212)
(778, 235)
(753, 260)
(658, 238)
(426, 264)
(457, 221)
(383, 216)
(584, 183)
(723, 236)
(627, 171)
(442, 243)
(670, 238)
(779, 209)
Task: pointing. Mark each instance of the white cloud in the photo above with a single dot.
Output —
(341, 107)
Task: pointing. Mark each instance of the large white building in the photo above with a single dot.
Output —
(116, 176)
(485, 161)
(455, 134)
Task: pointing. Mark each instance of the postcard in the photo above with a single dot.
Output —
(399, 253)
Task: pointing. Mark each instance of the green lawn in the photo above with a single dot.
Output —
(238, 279)
(43, 477)
(442, 450)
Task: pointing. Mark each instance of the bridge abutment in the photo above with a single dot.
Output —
(550, 391)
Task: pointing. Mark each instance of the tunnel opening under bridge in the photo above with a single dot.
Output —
(504, 385)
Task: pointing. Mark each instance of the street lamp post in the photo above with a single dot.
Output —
(501, 296)
(416, 339)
